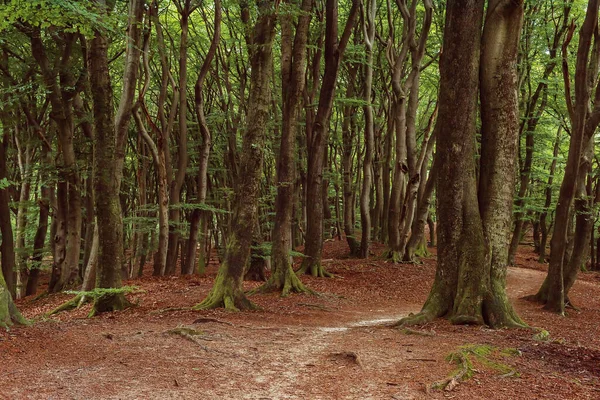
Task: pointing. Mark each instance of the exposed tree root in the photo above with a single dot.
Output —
(288, 285)
(75, 302)
(421, 318)
(109, 302)
(226, 293)
(393, 256)
(346, 357)
(462, 374)
(484, 355)
(408, 331)
(190, 334)
(315, 269)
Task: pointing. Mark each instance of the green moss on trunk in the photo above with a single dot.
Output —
(9, 313)
(314, 268)
(226, 293)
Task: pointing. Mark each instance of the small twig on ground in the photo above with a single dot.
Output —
(422, 359)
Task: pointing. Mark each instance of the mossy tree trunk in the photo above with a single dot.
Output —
(317, 137)
(293, 67)
(9, 313)
(474, 228)
(110, 132)
(227, 290)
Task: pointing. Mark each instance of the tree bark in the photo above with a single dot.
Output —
(110, 132)
(317, 137)
(578, 112)
(474, 228)
(293, 67)
(227, 290)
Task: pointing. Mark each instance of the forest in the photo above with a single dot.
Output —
(299, 199)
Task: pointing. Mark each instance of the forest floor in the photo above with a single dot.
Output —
(332, 346)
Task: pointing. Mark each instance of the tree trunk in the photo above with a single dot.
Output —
(317, 138)
(365, 195)
(227, 290)
(474, 228)
(184, 9)
(579, 111)
(108, 164)
(293, 66)
(7, 248)
(548, 198)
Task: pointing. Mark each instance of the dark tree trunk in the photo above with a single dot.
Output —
(109, 149)
(293, 66)
(578, 112)
(317, 137)
(474, 227)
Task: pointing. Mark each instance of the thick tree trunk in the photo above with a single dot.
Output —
(9, 314)
(227, 290)
(499, 146)
(474, 229)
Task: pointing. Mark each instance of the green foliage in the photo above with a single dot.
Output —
(72, 16)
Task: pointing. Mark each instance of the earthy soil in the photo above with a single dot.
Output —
(332, 346)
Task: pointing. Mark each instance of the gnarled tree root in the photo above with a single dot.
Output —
(291, 284)
(109, 303)
(315, 269)
(69, 305)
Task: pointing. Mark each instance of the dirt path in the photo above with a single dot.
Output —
(330, 347)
